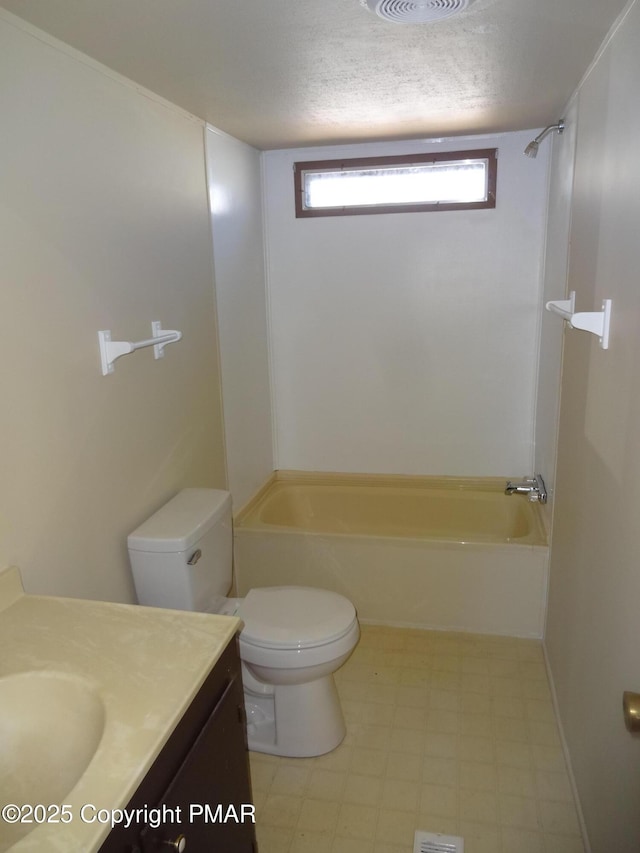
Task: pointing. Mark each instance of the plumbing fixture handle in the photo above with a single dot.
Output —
(533, 487)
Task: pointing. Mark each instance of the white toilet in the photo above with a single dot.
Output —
(293, 640)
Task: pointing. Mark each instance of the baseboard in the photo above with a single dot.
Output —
(567, 756)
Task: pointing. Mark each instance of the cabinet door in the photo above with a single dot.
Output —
(211, 791)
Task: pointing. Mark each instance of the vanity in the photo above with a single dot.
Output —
(121, 728)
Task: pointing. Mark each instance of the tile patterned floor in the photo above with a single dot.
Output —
(451, 733)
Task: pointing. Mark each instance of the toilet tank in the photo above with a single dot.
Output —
(181, 556)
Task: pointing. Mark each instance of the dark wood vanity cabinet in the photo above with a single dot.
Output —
(199, 784)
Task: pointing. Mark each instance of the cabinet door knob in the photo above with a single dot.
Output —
(179, 844)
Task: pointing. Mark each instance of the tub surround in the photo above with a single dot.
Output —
(426, 552)
(145, 664)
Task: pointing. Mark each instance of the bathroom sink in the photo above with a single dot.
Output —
(50, 726)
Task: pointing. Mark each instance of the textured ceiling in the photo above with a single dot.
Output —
(283, 73)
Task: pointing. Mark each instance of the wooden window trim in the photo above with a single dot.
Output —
(488, 154)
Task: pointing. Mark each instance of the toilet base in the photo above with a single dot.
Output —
(296, 720)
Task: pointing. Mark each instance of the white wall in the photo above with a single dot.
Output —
(407, 342)
(593, 633)
(103, 225)
(235, 194)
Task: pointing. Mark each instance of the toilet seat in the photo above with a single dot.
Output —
(294, 617)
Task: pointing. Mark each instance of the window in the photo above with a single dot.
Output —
(452, 180)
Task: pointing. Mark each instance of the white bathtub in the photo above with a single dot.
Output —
(429, 552)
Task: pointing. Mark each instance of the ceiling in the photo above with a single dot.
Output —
(287, 73)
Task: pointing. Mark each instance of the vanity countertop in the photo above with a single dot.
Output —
(145, 663)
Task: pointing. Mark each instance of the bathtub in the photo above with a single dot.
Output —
(429, 552)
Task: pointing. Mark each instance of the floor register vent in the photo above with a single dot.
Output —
(434, 842)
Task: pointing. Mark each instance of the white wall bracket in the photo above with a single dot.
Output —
(596, 322)
(111, 350)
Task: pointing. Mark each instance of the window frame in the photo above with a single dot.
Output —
(300, 167)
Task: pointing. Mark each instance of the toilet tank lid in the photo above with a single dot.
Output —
(182, 521)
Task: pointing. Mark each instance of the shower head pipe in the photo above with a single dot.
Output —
(532, 148)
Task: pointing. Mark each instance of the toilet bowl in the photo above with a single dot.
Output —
(293, 638)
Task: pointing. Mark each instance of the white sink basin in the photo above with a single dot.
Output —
(50, 726)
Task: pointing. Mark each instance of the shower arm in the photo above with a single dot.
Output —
(559, 127)
(532, 148)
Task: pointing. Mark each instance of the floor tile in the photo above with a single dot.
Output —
(451, 733)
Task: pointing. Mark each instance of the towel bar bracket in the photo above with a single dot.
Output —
(596, 322)
(112, 350)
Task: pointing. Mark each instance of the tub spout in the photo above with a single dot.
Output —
(533, 487)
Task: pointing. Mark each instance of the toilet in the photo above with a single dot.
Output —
(294, 638)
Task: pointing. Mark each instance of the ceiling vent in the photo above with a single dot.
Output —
(414, 11)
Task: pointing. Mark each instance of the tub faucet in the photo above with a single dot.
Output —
(533, 487)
